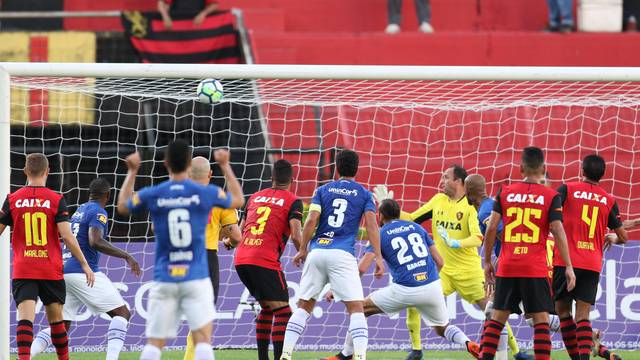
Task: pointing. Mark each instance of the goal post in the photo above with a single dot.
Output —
(5, 184)
(407, 123)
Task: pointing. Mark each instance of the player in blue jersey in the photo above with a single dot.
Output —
(179, 209)
(331, 228)
(414, 263)
(89, 226)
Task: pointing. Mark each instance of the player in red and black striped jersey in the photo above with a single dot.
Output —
(270, 218)
(529, 211)
(37, 215)
(588, 211)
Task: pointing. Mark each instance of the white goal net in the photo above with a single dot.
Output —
(406, 132)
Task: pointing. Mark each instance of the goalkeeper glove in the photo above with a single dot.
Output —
(452, 243)
(380, 193)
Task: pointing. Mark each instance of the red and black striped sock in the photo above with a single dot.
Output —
(280, 320)
(584, 333)
(263, 333)
(484, 327)
(24, 338)
(604, 352)
(490, 339)
(542, 341)
(568, 329)
(60, 340)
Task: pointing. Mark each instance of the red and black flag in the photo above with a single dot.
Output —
(214, 41)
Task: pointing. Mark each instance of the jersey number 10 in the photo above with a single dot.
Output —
(35, 228)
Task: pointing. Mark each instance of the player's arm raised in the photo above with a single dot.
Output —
(97, 241)
(70, 241)
(237, 197)
(126, 192)
(373, 232)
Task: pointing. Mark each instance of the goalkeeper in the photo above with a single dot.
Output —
(456, 232)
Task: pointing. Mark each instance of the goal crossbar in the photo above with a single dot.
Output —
(337, 72)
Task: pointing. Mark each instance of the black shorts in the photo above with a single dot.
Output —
(263, 283)
(586, 285)
(214, 272)
(49, 291)
(534, 293)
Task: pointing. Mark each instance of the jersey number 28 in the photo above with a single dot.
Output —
(415, 240)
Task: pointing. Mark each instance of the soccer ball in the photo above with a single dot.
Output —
(210, 91)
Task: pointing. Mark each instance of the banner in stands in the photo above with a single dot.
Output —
(214, 41)
(616, 313)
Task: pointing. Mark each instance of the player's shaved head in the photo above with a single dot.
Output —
(593, 167)
(475, 187)
(177, 157)
(282, 172)
(36, 165)
(389, 210)
(475, 184)
(347, 163)
(533, 160)
(200, 169)
(99, 188)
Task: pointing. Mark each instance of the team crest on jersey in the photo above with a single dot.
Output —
(420, 276)
(102, 218)
(459, 215)
(135, 200)
(222, 194)
(324, 241)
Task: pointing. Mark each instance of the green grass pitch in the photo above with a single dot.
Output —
(373, 355)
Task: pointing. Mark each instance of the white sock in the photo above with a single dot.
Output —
(115, 337)
(360, 334)
(347, 349)
(204, 351)
(41, 342)
(295, 328)
(455, 335)
(150, 352)
(554, 323)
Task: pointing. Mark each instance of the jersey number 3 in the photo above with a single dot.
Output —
(339, 207)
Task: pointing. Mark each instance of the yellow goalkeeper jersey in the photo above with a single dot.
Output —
(461, 221)
(217, 219)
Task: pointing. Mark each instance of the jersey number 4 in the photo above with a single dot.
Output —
(418, 247)
(179, 228)
(35, 228)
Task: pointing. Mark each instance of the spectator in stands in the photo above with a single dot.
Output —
(423, 11)
(631, 15)
(560, 15)
(198, 8)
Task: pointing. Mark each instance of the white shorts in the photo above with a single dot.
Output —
(337, 267)
(168, 302)
(427, 299)
(101, 298)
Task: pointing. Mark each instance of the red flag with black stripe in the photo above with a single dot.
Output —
(214, 41)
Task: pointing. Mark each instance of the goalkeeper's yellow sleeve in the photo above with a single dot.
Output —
(471, 241)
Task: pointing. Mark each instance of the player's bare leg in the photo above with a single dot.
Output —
(271, 325)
